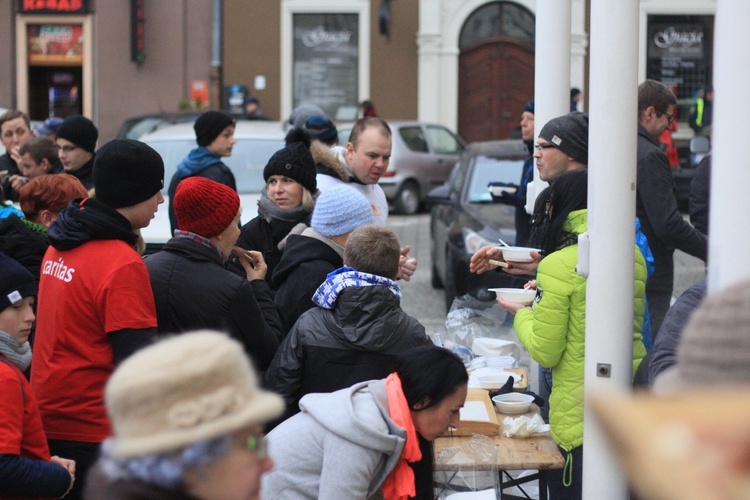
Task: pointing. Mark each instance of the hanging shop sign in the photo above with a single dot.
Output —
(53, 6)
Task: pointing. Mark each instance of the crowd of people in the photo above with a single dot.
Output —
(143, 378)
(146, 373)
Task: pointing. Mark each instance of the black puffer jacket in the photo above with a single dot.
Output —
(22, 244)
(192, 290)
(304, 265)
(328, 350)
(263, 236)
(661, 221)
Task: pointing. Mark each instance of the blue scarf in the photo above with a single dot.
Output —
(346, 277)
(196, 161)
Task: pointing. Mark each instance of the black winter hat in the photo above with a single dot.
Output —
(294, 161)
(16, 282)
(127, 172)
(570, 134)
(209, 125)
(80, 131)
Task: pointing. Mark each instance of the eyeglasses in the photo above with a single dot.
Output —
(257, 443)
(541, 147)
(67, 149)
(670, 118)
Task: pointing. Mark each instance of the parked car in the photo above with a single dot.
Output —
(137, 126)
(465, 217)
(256, 142)
(422, 158)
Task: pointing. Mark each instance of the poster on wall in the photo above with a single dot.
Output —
(326, 63)
(680, 54)
(55, 44)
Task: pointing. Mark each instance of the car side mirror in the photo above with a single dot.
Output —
(439, 196)
(700, 145)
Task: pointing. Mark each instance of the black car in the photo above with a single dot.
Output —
(683, 175)
(465, 217)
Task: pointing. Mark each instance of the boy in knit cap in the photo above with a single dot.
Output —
(76, 142)
(95, 302)
(26, 467)
(342, 341)
(192, 289)
(310, 256)
(214, 133)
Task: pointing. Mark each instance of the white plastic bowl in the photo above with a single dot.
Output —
(518, 295)
(513, 402)
(517, 254)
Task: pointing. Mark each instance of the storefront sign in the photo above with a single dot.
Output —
(137, 17)
(326, 61)
(680, 55)
(53, 6)
(55, 44)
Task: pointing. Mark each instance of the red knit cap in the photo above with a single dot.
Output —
(205, 207)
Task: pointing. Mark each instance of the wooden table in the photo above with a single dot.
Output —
(537, 452)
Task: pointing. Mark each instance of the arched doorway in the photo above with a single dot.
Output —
(496, 70)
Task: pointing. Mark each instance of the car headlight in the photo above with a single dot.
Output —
(473, 241)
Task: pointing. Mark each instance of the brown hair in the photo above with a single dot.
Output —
(40, 147)
(49, 192)
(12, 114)
(364, 123)
(374, 250)
(656, 94)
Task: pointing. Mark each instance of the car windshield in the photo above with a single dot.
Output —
(249, 157)
(489, 169)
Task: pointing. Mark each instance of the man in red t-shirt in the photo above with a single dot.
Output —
(95, 301)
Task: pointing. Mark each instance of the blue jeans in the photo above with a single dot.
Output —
(545, 389)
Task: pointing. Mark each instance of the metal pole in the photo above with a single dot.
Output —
(613, 99)
(730, 233)
(551, 73)
(216, 51)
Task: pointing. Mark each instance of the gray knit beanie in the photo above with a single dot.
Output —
(715, 346)
(300, 114)
(570, 134)
(340, 210)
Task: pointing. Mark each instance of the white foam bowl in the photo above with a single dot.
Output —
(513, 402)
(518, 295)
(517, 254)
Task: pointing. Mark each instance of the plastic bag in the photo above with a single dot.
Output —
(470, 318)
(467, 468)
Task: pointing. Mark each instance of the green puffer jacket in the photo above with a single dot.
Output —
(554, 331)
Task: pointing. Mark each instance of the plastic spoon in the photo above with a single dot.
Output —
(503, 243)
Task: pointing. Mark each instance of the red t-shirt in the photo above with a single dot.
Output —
(97, 288)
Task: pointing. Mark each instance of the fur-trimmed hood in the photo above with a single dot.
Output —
(329, 161)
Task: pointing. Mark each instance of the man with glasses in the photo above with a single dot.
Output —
(76, 141)
(656, 205)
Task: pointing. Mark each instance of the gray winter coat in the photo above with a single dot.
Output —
(342, 446)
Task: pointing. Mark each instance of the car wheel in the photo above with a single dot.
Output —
(450, 282)
(407, 201)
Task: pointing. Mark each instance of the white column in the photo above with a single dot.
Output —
(429, 43)
(611, 223)
(730, 176)
(551, 72)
